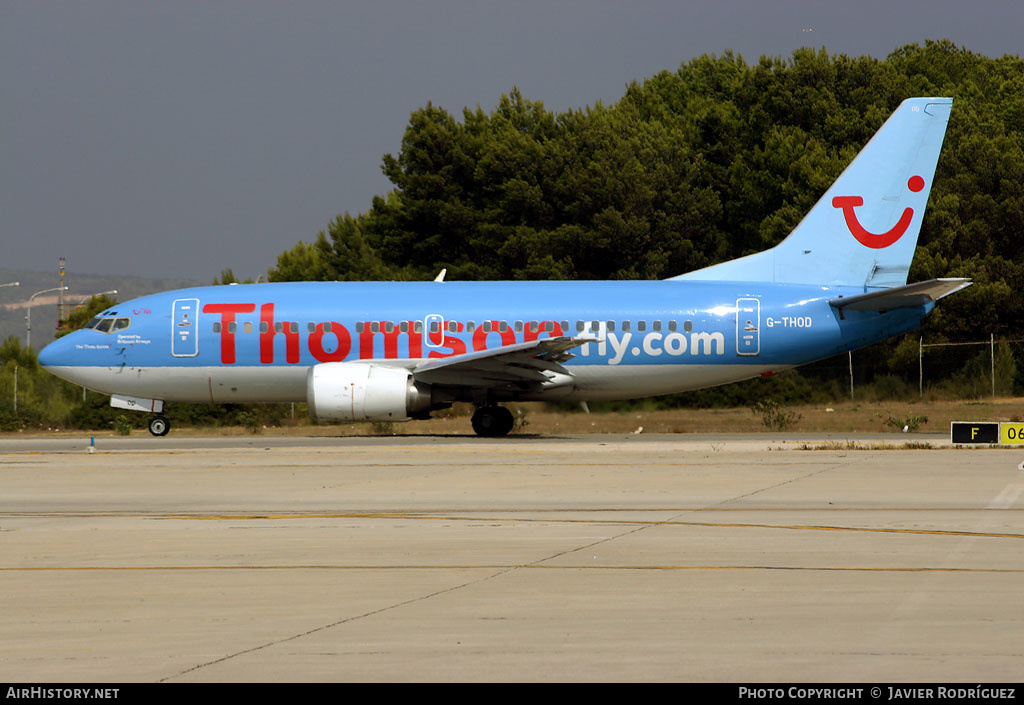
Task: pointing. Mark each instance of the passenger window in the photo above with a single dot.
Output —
(688, 326)
(216, 327)
(672, 326)
(641, 326)
(247, 326)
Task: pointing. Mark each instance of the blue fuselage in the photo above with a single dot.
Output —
(255, 342)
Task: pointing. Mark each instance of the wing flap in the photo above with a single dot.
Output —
(530, 363)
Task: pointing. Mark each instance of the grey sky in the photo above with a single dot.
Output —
(179, 138)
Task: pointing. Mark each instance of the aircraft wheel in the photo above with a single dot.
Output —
(159, 425)
(492, 421)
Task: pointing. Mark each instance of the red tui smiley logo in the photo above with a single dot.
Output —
(876, 240)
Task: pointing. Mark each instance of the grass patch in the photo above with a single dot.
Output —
(853, 445)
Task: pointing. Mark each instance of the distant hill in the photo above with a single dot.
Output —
(80, 288)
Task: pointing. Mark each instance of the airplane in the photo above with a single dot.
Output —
(393, 351)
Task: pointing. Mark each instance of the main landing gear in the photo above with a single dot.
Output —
(492, 421)
(159, 425)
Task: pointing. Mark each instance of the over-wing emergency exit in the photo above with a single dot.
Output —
(391, 351)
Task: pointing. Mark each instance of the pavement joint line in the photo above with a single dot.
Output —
(339, 622)
(640, 524)
(522, 566)
(390, 513)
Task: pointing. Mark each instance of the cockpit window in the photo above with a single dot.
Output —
(108, 325)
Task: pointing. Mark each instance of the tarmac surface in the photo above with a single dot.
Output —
(586, 558)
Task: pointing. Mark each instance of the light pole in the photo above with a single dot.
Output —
(85, 297)
(15, 362)
(28, 315)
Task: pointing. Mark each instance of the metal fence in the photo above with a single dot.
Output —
(953, 369)
(965, 361)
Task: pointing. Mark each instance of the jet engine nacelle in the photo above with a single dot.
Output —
(357, 391)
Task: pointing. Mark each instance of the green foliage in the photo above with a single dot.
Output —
(227, 276)
(83, 314)
(382, 428)
(908, 422)
(122, 425)
(250, 421)
(1005, 371)
(892, 387)
(774, 416)
(347, 256)
(45, 401)
(715, 160)
(970, 377)
(712, 161)
(11, 351)
(519, 421)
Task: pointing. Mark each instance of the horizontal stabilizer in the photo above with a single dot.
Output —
(908, 296)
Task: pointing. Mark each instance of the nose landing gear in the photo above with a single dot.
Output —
(159, 425)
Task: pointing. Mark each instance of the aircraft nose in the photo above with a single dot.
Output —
(55, 354)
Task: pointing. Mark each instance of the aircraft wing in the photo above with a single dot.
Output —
(531, 363)
(907, 296)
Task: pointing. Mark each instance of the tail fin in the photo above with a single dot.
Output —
(864, 230)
